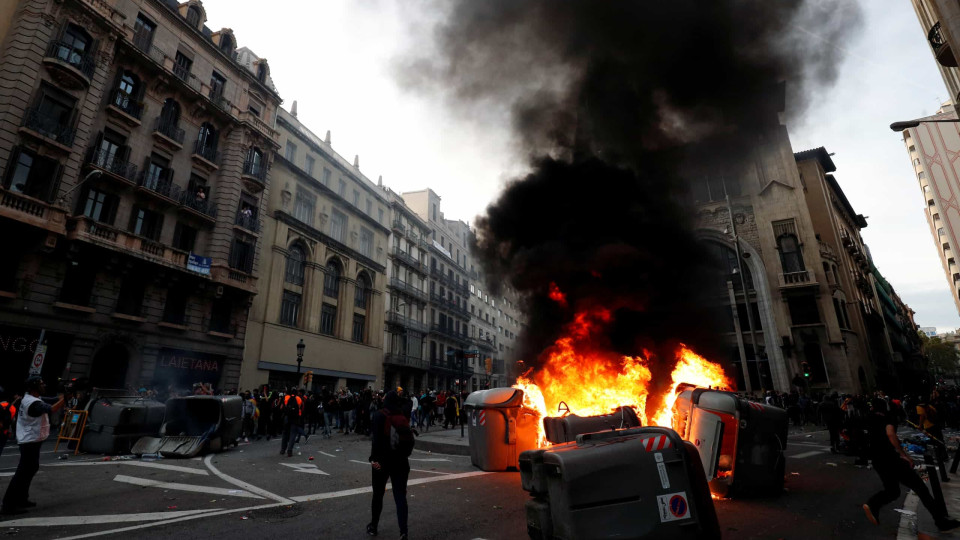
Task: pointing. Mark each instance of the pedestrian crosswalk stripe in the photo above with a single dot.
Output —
(184, 487)
(164, 466)
(368, 489)
(806, 454)
(326, 454)
(65, 521)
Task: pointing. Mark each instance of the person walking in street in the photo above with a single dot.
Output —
(329, 411)
(33, 427)
(248, 411)
(895, 467)
(292, 412)
(930, 420)
(391, 446)
(8, 413)
(450, 411)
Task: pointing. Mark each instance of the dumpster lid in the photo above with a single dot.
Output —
(495, 397)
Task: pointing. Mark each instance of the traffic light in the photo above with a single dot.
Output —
(805, 368)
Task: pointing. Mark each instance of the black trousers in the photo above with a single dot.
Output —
(398, 474)
(893, 472)
(18, 492)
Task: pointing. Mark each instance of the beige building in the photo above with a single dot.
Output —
(929, 142)
(134, 139)
(404, 362)
(940, 21)
(324, 269)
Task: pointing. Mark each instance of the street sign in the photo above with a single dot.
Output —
(38, 356)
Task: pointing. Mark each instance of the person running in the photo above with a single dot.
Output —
(33, 427)
(895, 467)
(391, 446)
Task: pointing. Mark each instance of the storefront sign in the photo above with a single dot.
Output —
(183, 368)
(198, 264)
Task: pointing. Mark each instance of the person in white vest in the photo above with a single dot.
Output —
(33, 427)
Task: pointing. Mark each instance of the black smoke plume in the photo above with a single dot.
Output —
(614, 104)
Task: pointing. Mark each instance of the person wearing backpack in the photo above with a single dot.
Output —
(393, 441)
(292, 415)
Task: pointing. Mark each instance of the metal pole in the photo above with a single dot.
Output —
(739, 331)
(746, 295)
(463, 360)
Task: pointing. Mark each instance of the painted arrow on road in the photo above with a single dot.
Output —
(305, 468)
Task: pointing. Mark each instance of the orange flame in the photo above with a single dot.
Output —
(591, 382)
(557, 295)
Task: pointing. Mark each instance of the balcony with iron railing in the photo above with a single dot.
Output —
(160, 187)
(408, 259)
(407, 288)
(448, 332)
(400, 319)
(215, 95)
(249, 222)
(206, 154)
(256, 170)
(941, 47)
(398, 359)
(71, 68)
(200, 206)
(116, 166)
(130, 108)
(47, 129)
(168, 130)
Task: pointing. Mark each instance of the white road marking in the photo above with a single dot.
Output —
(360, 462)
(326, 454)
(305, 468)
(431, 472)
(63, 521)
(428, 459)
(164, 466)
(184, 487)
(208, 461)
(806, 454)
(175, 520)
(7, 473)
(368, 489)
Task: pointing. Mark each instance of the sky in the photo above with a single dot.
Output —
(339, 60)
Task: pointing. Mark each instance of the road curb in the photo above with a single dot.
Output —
(442, 448)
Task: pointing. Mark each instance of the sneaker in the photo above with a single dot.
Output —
(246, 439)
(403, 536)
(947, 524)
(371, 530)
(871, 515)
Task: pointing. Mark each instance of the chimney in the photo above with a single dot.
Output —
(293, 109)
(380, 181)
(327, 139)
(356, 161)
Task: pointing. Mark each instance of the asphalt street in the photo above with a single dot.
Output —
(253, 490)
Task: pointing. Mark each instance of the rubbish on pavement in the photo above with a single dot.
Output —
(794, 474)
(831, 464)
(905, 512)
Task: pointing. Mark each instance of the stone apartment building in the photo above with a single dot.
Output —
(940, 22)
(404, 363)
(323, 276)
(134, 146)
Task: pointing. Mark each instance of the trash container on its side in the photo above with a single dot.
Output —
(631, 483)
(500, 428)
(561, 429)
(742, 442)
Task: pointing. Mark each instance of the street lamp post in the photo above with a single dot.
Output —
(300, 347)
(463, 360)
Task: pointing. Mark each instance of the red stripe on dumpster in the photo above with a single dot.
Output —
(483, 418)
(649, 443)
(663, 442)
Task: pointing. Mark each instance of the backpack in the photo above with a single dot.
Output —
(399, 434)
(292, 408)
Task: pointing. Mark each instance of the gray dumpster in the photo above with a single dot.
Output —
(195, 424)
(116, 422)
(630, 483)
(561, 429)
(741, 442)
(500, 428)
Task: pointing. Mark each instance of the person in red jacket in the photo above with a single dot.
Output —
(8, 412)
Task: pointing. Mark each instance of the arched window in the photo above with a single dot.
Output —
(226, 44)
(127, 92)
(207, 141)
(331, 279)
(791, 258)
(726, 269)
(363, 291)
(170, 113)
(194, 16)
(295, 265)
(74, 45)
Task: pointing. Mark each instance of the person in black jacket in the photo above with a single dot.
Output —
(386, 464)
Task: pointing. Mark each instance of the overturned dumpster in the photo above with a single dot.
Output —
(501, 428)
(561, 429)
(117, 420)
(195, 424)
(741, 442)
(641, 482)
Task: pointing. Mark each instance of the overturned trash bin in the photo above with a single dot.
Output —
(501, 428)
(117, 420)
(741, 442)
(632, 483)
(195, 424)
(561, 429)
